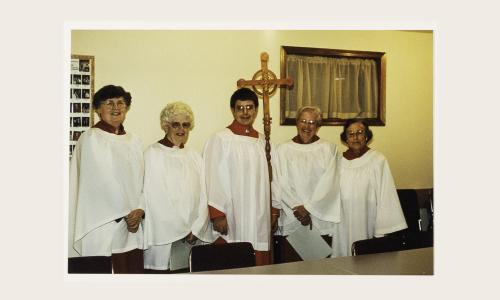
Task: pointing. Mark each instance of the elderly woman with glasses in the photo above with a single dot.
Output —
(309, 183)
(370, 204)
(174, 191)
(106, 180)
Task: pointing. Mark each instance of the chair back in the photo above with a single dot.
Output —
(410, 238)
(221, 256)
(409, 203)
(378, 245)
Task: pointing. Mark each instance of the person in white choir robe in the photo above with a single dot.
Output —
(237, 180)
(370, 203)
(174, 189)
(106, 206)
(309, 182)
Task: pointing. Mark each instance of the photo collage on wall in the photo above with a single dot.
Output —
(80, 104)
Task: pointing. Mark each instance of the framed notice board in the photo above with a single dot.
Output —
(80, 97)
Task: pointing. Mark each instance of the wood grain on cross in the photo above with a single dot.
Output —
(264, 83)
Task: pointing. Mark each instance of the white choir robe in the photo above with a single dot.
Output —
(309, 176)
(105, 184)
(174, 190)
(370, 203)
(237, 182)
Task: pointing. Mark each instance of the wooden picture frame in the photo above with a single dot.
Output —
(379, 58)
(80, 97)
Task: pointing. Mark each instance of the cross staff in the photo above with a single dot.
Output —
(264, 84)
(267, 81)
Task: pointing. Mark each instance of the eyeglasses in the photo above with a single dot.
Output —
(360, 132)
(109, 104)
(308, 122)
(177, 125)
(242, 108)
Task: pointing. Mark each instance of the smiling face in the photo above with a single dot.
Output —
(307, 126)
(113, 111)
(356, 137)
(178, 129)
(244, 112)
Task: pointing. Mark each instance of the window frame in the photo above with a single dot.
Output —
(378, 57)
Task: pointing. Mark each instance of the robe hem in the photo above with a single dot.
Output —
(390, 230)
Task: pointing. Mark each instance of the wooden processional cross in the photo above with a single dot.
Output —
(264, 84)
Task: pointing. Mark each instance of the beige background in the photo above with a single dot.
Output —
(202, 67)
(34, 164)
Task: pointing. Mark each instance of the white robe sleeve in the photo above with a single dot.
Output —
(103, 188)
(390, 217)
(141, 201)
(74, 173)
(275, 183)
(287, 190)
(325, 200)
(201, 227)
(217, 176)
(148, 219)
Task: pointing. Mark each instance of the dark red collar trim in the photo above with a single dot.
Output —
(298, 140)
(108, 128)
(166, 142)
(239, 129)
(350, 155)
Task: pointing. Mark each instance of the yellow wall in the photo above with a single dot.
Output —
(202, 67)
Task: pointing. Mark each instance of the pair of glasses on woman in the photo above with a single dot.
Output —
(308, 122)
(177, 125)
(110, 104)
(351, 134)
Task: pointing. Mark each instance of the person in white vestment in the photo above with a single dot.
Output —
(106, 206)
(174, 190)
(237, 180)
(370, 203)
(309, 183)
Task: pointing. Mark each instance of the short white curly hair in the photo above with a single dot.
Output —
(175, 109)
(312, 109)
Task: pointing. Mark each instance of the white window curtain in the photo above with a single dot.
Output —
(342, 87)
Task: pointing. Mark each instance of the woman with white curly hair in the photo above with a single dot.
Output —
(174, 184)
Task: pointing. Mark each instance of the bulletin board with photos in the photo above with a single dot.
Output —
(80, 98)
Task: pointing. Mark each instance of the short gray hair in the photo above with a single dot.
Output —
(313, 109)
(174, 109)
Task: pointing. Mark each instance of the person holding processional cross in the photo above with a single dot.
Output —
(237, 180)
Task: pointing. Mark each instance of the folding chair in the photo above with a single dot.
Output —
(222, 256)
